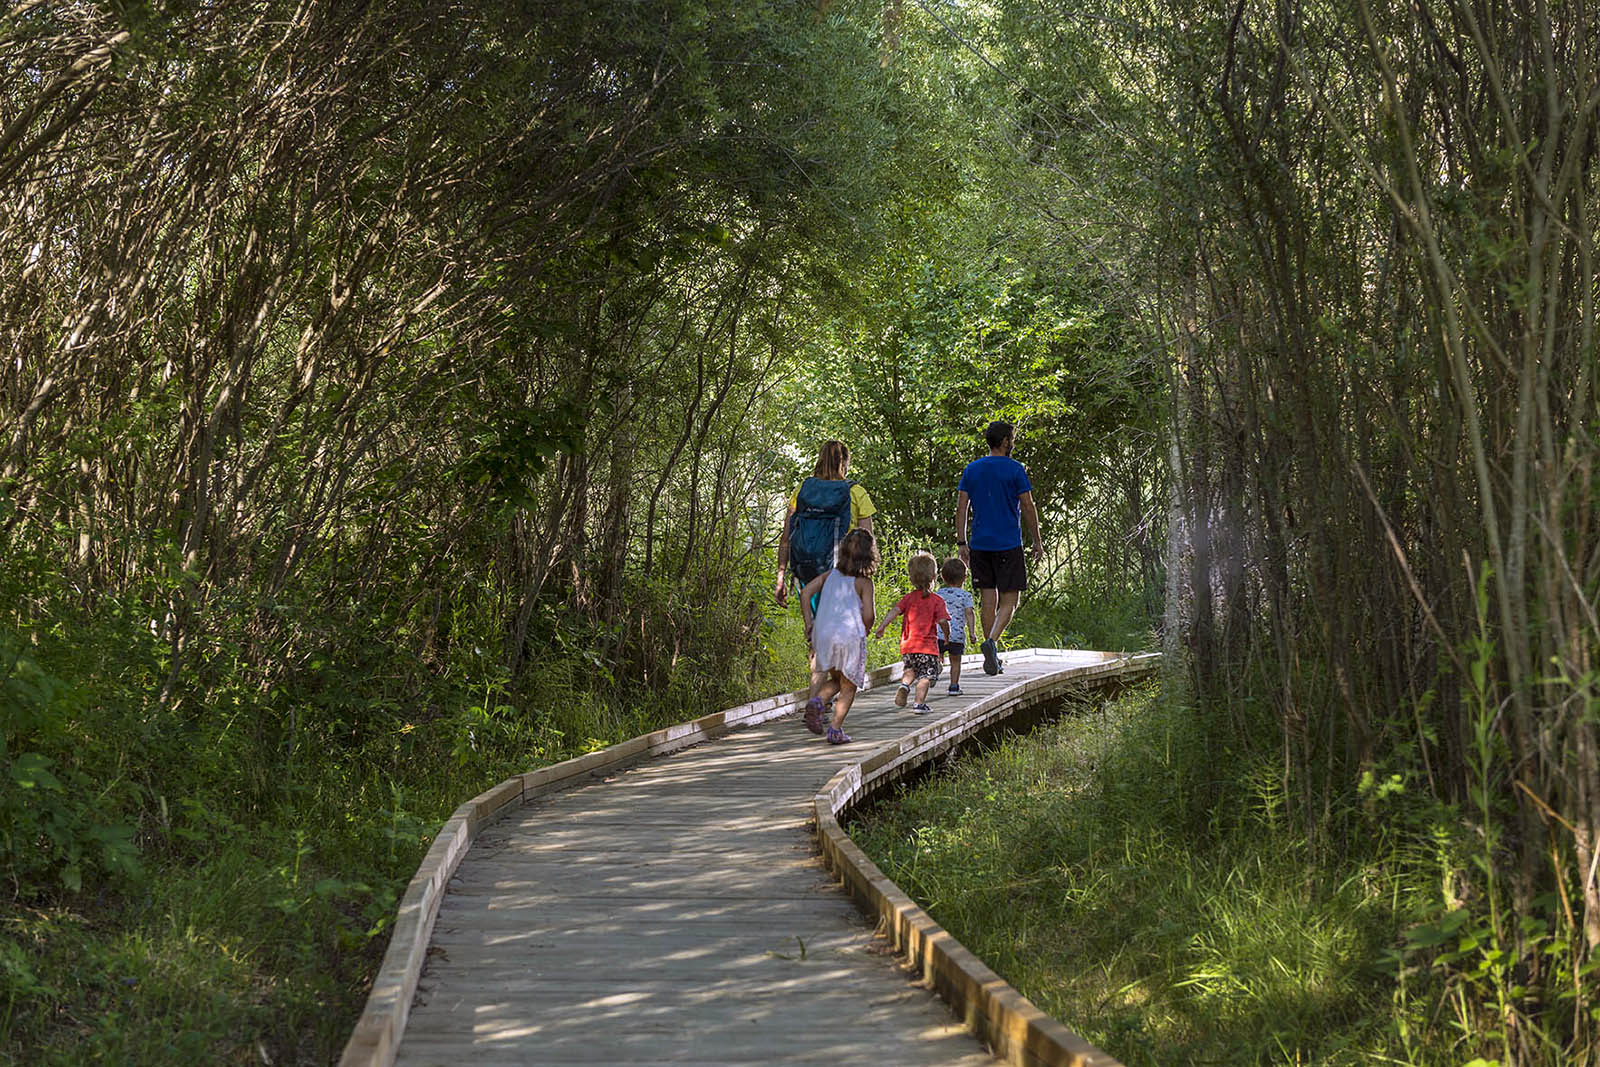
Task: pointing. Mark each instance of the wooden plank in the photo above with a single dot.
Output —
(945, 1045)
(841, 978)
(559, 987)
(739, 1027)
(647, 916)
(613, 862)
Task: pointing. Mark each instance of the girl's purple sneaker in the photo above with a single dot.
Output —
(814, 715)
(837, 736)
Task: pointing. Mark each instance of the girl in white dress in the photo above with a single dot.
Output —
(837, 630)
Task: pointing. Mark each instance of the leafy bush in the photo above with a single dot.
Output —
(54, 824)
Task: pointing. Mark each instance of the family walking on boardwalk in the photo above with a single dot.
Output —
(827, 546)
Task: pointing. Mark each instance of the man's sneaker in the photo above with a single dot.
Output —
(991, 657)
(837, 736)
(814, 715)
(920, 709)
(957, 691)
(901, 695)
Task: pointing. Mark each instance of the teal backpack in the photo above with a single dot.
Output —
(821, 519)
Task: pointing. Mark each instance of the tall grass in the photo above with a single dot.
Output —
(1057, 617)
(1163, 902)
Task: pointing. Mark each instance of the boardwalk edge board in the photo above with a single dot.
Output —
(376, 1037)
(1015, 1029)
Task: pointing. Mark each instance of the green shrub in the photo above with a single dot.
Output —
(58, 821)
(1053, 617)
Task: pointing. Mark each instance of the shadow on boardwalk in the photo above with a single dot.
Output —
(676, 912)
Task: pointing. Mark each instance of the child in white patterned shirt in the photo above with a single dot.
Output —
(961, 623)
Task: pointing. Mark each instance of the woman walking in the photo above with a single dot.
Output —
(827, 506)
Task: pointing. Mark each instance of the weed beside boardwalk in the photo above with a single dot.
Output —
(1163, 904)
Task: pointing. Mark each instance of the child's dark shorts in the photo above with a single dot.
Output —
(954, 648)
(923, 665)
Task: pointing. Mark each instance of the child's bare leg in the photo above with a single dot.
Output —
(955, 669)
(824, 683)
(841, 703)
(922, 689)
(904, 691)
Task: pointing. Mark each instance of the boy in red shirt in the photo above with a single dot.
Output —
(922, 610)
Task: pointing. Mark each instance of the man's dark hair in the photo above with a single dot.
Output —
(997, 433)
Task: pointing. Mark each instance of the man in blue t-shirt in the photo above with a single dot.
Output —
(996, 490)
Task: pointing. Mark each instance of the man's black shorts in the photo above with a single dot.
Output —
(1004, 571)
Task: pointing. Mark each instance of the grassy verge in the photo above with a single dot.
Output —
(1155, 898)
(1065, 617)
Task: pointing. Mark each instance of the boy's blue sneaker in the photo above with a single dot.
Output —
(920, 709)
(957, 691)
(991, 657)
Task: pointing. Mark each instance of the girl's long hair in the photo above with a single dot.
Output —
(831, 461)
(858, 554)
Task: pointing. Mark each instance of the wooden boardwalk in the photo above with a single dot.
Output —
(676, 912)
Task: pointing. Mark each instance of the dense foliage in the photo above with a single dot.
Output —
(396, 395)
(1362, 236)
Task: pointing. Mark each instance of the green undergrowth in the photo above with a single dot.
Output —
(209, 875)
(1055, 617)
(234, 927)
(1153, 895)
(201, 863)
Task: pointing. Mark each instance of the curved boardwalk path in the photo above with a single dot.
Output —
(676, 912)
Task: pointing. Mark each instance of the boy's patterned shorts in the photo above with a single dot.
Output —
(923, 665)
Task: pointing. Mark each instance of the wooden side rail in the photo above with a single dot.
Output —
(377, 1032)
(1015, 1029)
